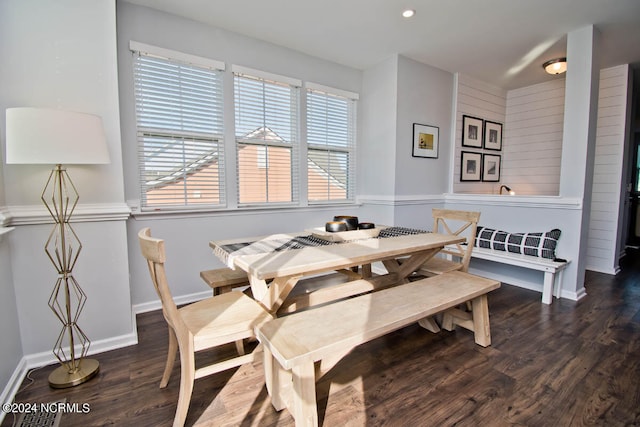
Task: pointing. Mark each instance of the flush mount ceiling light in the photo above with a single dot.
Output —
(555, 66)
(408, 13)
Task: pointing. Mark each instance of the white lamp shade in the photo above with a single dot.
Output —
(48, 136)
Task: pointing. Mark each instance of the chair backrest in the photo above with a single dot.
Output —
(153, 251)
(459, 223)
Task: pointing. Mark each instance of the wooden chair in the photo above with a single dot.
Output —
(460, 223)
(205, 324)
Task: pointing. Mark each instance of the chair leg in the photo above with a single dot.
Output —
(171, 358)
(187, 377)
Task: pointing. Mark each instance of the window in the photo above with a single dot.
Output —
(266, 121)
(179, 128)
(331, 119)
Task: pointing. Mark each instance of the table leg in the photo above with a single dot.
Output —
(304, 405)
(366, 271)
(410, 264)
(273, 296)
(258, 288)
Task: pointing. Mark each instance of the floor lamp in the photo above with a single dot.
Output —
(48, 136)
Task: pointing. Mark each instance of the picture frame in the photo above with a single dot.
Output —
(425, 141)
(492, 135)
(491, 167)
(472, 131)
(470, 166)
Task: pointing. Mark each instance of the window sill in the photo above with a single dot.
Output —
(221, 212)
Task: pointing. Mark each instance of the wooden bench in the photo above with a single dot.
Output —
(552, 284)
(223, 280)
(293, 344)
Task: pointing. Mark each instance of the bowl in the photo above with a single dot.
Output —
(366, 226)
(350, 221)
(335, 226)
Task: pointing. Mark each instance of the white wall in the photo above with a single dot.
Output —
(532, 153)
(11, 350)
(377, 144)
(604, 243)
(425, 96)
(477, 99)
(533, 138)
(569, 211)
(63, 55)
(396, 94)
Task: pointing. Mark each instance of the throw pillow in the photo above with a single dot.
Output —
(534, 244)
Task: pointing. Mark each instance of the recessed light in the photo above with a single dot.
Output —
(408, 13)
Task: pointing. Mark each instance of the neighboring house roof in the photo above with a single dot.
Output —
(326, 166)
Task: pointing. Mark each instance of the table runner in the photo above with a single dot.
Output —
(282, 242)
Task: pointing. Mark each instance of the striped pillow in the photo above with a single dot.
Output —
(534, 244)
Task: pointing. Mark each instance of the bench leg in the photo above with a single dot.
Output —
(547, 287)
(480, 312)
(557, 284)
(429, 324)
(305, 410)
(277, 381)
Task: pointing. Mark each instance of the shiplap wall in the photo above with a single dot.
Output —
(478, 99)
(533, 139)
(532, 149)
(602, 244)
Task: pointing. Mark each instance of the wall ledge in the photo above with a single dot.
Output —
(38, 214)
(401, 200)
(548, 202)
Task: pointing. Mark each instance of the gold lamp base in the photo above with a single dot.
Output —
(62, 378)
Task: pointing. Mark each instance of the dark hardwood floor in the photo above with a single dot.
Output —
(567, 364)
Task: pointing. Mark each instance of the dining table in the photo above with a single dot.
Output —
(276, 263)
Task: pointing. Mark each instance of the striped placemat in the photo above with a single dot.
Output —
(284, 242)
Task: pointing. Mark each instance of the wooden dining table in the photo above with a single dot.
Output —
(275, 264)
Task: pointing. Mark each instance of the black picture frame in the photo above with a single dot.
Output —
(492, 135)
(470, 166)
(472, 131)
(425, 141)
(491, 165)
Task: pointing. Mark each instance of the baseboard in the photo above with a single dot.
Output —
(47, 357)
(12, 387)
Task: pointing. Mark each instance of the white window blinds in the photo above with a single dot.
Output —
(180, 132)
(266, 130)
(331, 122)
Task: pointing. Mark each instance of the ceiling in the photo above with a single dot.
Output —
(501, 42)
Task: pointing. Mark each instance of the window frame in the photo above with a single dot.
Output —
(250, 76)
(351, 98)
(227, 182)
(188, 141)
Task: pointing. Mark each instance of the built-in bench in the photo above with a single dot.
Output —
(294, 343)
(552, 269)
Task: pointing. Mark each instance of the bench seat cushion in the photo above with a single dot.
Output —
(534, 244)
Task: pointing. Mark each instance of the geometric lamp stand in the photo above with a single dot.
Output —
(50, 136)
(67, 298)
